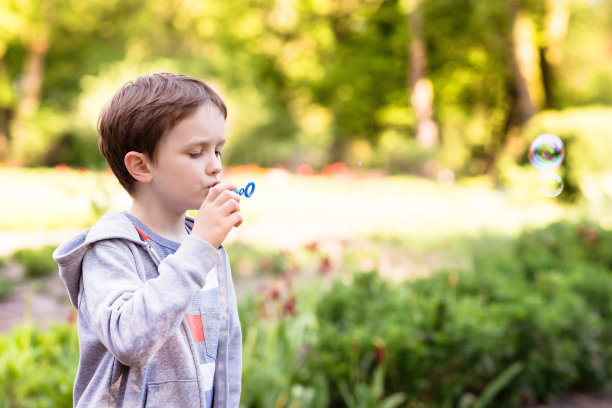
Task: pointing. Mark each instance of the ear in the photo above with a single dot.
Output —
(139, 166)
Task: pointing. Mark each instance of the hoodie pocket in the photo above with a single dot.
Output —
(172, 394)
(212, 324)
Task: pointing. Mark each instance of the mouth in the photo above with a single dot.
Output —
(213, 184)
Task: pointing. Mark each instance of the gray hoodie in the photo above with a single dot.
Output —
(136, 348)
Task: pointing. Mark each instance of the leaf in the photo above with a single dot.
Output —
(498, 384)
(393, 400)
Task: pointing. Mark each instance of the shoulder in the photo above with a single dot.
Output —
(111, 226)
(113, 239)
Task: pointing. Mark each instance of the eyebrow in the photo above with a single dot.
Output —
(205, 142)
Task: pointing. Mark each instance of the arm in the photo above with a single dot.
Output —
(131, 317)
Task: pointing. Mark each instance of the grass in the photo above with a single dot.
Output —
(46, 199)
(288, 209)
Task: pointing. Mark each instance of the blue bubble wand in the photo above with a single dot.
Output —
(247, 191)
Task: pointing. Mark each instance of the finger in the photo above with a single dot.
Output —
(225, 197)
(216, 191)
(236, 219)
(230, 207)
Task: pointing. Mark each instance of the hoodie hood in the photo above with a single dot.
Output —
(69, 256)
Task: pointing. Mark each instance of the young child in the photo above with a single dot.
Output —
(157, 316)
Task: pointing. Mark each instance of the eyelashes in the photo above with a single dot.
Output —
(197, 155)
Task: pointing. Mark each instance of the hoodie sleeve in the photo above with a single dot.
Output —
(132, 317)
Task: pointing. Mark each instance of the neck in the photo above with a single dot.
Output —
(160, 221)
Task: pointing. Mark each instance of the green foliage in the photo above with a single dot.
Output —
(471, 73)
(276, 347)
(366, 396)
(36, 262)
(6, 285)
(587, 135)
(250, 259)
(6, 288)
(532, 304)
(527, 319)
(305, 81)
(492, 389)
(37, 367)
(77, 150)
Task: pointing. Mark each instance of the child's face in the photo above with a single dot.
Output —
(189, 160)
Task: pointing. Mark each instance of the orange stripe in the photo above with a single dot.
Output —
(143, 236)
(195, 324)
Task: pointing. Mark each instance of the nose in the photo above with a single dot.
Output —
(213, 165)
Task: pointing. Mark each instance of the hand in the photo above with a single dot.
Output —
(218, 214)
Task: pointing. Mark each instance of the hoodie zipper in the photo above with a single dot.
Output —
(148, 242)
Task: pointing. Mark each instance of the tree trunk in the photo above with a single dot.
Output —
(557, 19)
(4, 140)
(555, 31)
(4, 118)
(31, 86)
(527, 94)
(525, 65)
(421, 88)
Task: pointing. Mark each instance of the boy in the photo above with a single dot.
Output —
(157, 317)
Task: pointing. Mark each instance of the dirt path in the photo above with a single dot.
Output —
(579, 400)
(43, 302)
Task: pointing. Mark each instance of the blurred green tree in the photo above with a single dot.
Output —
(309, 80)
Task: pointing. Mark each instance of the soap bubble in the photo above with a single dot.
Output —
(546, 152)
(551, 184)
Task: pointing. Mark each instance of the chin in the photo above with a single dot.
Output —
(195, 205)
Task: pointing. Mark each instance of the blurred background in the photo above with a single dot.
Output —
(398, 250)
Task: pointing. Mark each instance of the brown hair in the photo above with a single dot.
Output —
(143, 110)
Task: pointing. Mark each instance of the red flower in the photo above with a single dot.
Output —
(335, 168)
(379, 350)
(289, 307)
(325, 266)
(313, 246)
(305, 169)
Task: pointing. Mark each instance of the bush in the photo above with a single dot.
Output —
(36, 262)
(249, 259)
(587, 135)
(6, 285)
(527, 322)
(37, 368)
(6, 288)
(276, 346)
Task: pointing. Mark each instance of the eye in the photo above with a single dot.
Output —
(195, 155)
(219, 154)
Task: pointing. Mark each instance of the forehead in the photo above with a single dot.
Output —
(206, 125)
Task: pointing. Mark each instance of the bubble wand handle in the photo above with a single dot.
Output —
(247, 191)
